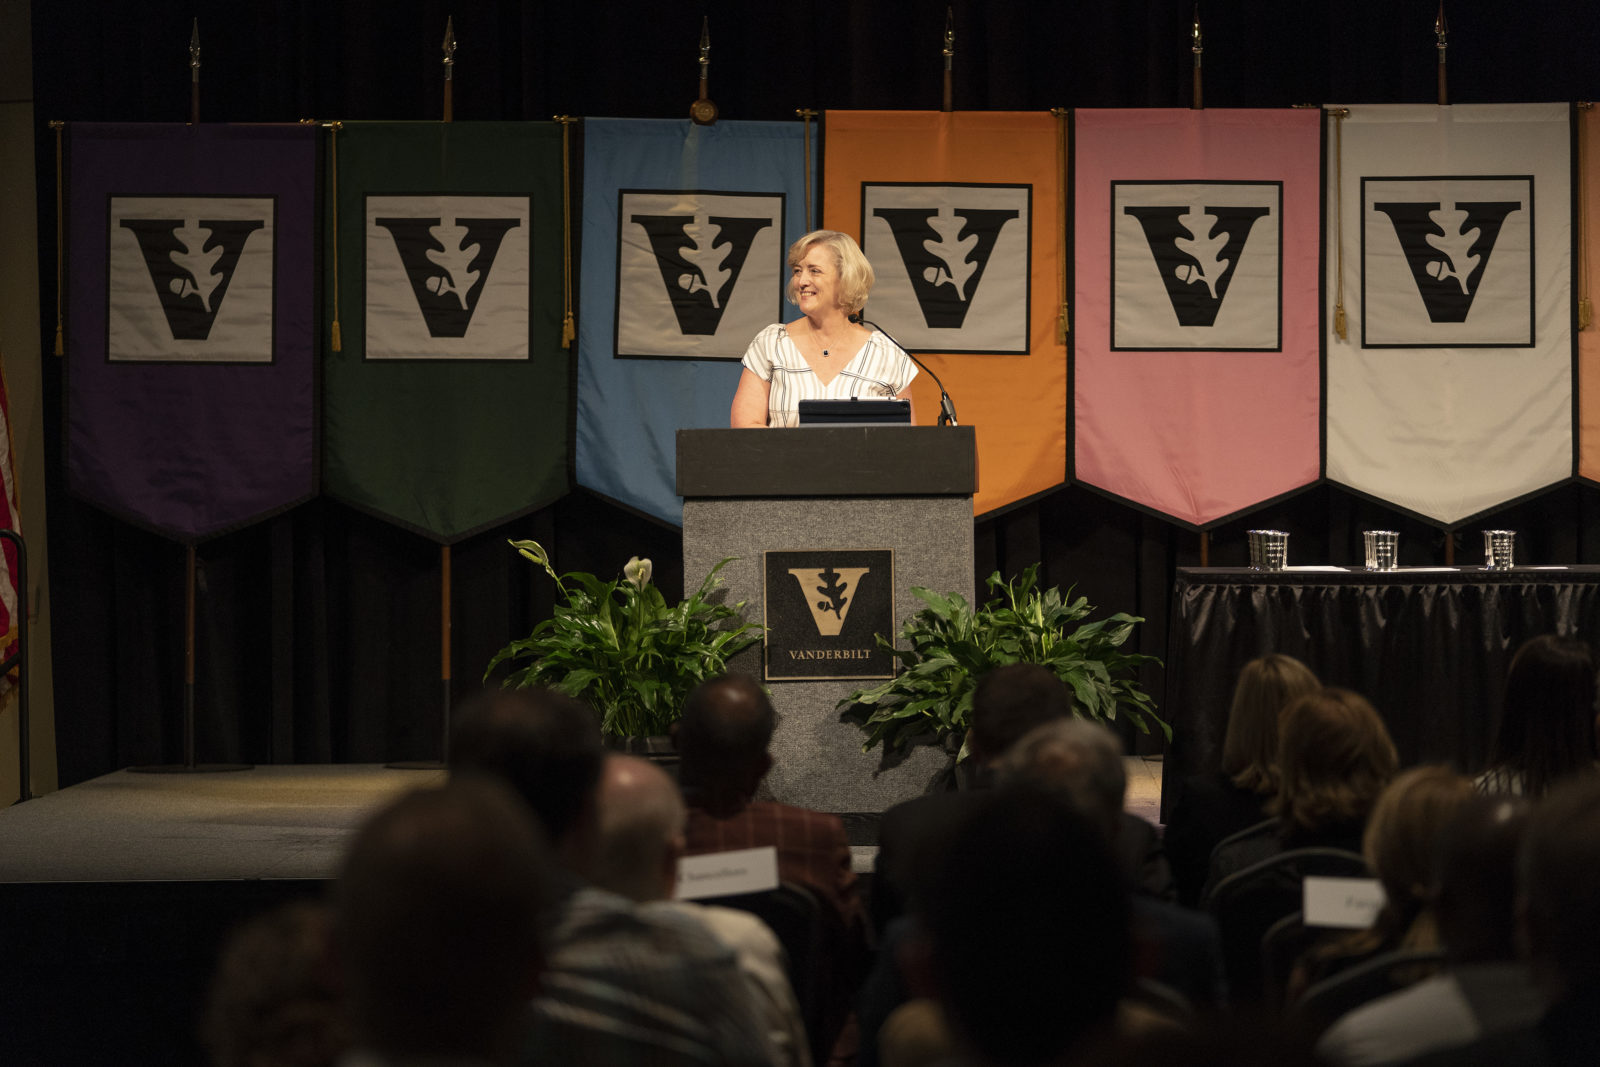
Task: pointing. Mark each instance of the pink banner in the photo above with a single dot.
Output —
(1195, 329)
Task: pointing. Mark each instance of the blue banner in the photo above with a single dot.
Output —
(685, 229)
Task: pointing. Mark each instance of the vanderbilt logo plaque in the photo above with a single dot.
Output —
(823, 608)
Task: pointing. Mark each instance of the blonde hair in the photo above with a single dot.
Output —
(1265, 687)
(1334, 758)
(855, 273)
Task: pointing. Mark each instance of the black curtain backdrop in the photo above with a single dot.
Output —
(318, 631)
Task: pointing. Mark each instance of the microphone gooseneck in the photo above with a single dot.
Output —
(947, 407)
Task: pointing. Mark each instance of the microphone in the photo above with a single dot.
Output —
(947, 408)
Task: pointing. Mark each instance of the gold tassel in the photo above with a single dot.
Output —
(1338, 322)
(338, 341)
(1063, 322)
(568, 332)
(1063, 325)
(806, 114)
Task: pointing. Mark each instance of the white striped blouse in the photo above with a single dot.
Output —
(880, 370)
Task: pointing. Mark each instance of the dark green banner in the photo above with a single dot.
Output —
(445, 411)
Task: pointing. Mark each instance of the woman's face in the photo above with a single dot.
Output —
(814, 281)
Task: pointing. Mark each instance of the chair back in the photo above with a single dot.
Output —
(1326, 1001)
(796, 917)
(1247, 903)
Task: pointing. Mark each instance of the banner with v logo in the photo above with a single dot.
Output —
(1452, 393)
(1195, 339)
(190, 386)
(685, 229)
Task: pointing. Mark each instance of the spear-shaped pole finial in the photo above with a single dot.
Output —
(449, 61)
(703, 111)
(194, 71)
(1441, 29)
(949, 54)
(1197, 46)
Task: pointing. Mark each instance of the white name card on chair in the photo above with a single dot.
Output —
(1343, 903)
(726, 874)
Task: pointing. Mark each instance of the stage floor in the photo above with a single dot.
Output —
(269, 822)
(284, 821)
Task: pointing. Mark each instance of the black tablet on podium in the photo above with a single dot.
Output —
(853, 412)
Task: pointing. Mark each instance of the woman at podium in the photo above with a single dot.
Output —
(825, 354)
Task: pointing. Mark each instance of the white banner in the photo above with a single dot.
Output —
(1453, 393)
(447, 277)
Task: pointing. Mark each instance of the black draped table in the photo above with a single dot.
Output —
(1428, 646)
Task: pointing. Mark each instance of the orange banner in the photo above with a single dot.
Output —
(1588, 263)
(960, 215)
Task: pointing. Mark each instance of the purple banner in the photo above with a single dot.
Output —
(190, 384)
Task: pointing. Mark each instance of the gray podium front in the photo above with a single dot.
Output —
(904, 488)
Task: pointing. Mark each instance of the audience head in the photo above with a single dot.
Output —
(1027, 916)
(542, 743)
(1008, 702)
(1334, 758)
(641, 830)
(1476, 898)
(273, 999)
(1547, 719)
(1556, 886)
(1401, 838)
(1076, 757)
(1265, 687)
(437, 920)
(723, 736)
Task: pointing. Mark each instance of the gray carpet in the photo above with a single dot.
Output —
(268, 822)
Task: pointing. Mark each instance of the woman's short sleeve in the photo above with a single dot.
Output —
(759, 357)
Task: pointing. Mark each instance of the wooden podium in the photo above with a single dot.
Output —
(907, 489)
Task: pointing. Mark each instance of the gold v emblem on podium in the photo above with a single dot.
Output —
(829, 592)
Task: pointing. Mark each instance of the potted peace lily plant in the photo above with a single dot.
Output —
(950, 646)
(621, 648)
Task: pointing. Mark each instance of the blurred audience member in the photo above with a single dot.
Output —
(623, 984)
(641, 840)
(1561, 925)
(1547, 719)
(273, 1000)
(437, 927)
(1206, 808)
(1334, 758)
(1400, 846)
(1484, 989)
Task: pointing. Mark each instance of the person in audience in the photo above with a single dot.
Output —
(642, 816)
(1483, 989)
(273, 1001)
(1008, 702)
(1206, 808)
(1175, 947)
(437, 926)
(1399, 846)
(1026, 919)
(1334, 758)
(723, 740)
(622, 984)
(1560, 922)
(1547, 719)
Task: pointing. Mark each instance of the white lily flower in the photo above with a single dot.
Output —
(638, 571)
